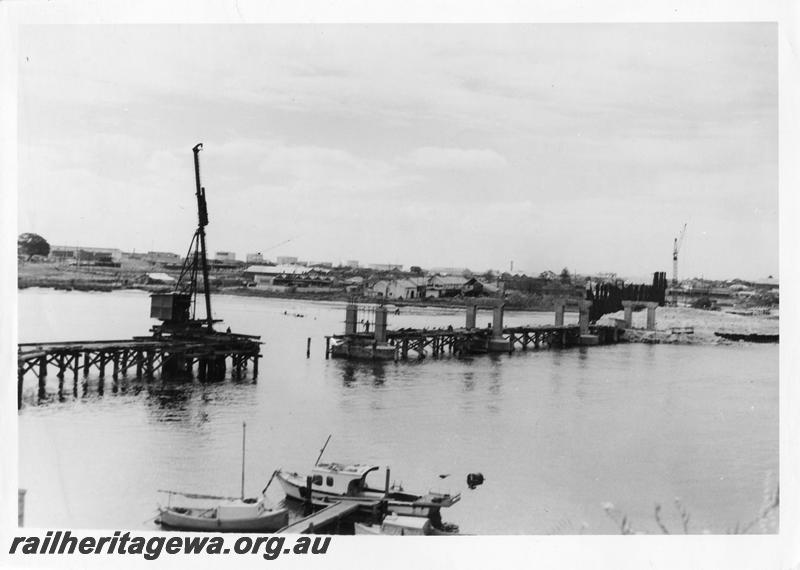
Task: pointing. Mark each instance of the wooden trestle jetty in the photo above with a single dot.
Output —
(385, 344)
(181, 342)
(144, 358)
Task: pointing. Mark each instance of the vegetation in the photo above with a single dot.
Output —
(766, 520)
(30, 244)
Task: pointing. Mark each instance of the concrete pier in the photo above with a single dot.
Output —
(627, 306)
(651, 306)
(560, 306)
(651, 315)
(472, 313)
(380, 324)
(350, 319)
(583, 315)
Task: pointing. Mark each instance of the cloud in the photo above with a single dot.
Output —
(430, 157)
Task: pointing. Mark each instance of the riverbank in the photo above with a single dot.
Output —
(93, 278)
(684, 325)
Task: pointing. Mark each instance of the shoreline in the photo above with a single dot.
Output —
(674, 325)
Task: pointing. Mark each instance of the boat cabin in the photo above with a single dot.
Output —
(340, 479)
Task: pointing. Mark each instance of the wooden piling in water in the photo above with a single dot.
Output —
(20, 377)
(42, 377)
(308, 347)
(115, 372)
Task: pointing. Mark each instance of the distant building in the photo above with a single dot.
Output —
(475, 288)
(385, 267)
(85, 254)
(354, 284)
(398, 289)
(766, 284)
(460, 271)
(286, 260)
(445, 286)
(254, 258)
(225, 256)
(162, 257)
(326, 264)
(290, 278)
(351, 263)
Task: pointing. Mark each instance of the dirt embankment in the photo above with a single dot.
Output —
(683, 325)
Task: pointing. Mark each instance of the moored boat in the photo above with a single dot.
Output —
(226, 516)
(398, 525)
(341, 482)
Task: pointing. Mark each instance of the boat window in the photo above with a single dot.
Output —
(329, 481)
(317, 480)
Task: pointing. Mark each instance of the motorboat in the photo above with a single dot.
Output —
(347, 482)
(399, 525)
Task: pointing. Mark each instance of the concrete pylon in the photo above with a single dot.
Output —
(651, 315)
(497, 320)
(350, 319)
(560, 306)
(472, 312)
(583, 315)
(380, 324)
(628, 307)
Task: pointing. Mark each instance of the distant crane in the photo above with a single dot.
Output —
(675, 249)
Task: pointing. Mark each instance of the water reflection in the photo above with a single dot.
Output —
(374, 371)
(469, 381)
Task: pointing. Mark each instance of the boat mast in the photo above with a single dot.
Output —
(244, 431)
(202, 215)
(321, 451)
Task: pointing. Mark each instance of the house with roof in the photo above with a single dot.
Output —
(290, 277)
(410, 288)
(444, 286)
(474, 287)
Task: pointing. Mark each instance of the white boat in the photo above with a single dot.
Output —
(226, 516)
(340, 482)
(398, 525)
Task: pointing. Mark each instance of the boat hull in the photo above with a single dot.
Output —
(294, 487)
(357, 351)
(268, 521)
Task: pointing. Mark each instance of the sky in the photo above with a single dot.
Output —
(586, 146)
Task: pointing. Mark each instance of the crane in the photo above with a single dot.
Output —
(675, 249)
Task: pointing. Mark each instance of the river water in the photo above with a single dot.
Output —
(558, 434)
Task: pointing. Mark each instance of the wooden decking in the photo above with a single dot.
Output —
(323, 518)
(166, 356)
(463, 341)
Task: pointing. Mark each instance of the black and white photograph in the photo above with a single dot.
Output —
(278, 283)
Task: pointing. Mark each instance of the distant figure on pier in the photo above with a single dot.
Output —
(228, 331)
(397, 311)
(366, 326)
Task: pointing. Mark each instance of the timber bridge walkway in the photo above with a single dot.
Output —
(385, 344)
(462, 341)
(147, 356)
